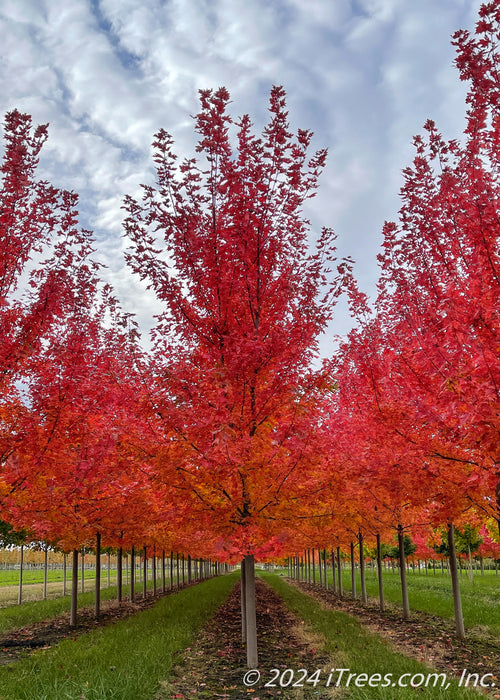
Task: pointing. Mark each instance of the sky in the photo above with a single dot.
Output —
(364, 75)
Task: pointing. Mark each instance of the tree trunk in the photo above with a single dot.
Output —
(251, 618)
(353, 572)
(65, 565)
(45, 571)
(98, 574)
(325, 569)
(178, 573)
(334, 583)
(189, 569)
(154, 571)
(132, 574)
(471, 571)
(402, 573)
(171, 570)
(457, 602)
(83, 570)
(21, 562)
(74, 590)
(163, 578)
(119, 575)
(364, 597)
(109, 569)
(243, 604)
(339, 565)
(380, 578)
(145, 573)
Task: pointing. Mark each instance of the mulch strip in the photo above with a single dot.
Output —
(214, 666)
(427, 638)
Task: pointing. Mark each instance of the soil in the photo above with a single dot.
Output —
(215, 666)
(427, 638)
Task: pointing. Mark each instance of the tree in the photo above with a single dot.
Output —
(41, 250)
(225, 247)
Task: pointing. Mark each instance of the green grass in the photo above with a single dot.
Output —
(10, 577)
(15, 616)
(432, 594)
(351, 646)
(124, 661)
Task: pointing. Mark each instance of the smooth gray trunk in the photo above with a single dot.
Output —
(132, 574)
(380, 578)
(154, 571)
(251, 617)
(353, 572)
(21, 562)
(402, 573)
(83, 571)
(65, 564)
(455, 582)
(163, 577)
(243, 604)
(119, 575)
(339, 565)
(45, 571)
(98, 575)
(364, 597)
(74, 590)
(334, 572)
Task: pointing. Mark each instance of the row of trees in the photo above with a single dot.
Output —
(230, 439)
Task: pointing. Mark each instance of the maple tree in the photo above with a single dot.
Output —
(440, 284)
(40, 249)
(416, 412)
(224, 246)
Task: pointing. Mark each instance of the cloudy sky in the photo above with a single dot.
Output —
(364, 75)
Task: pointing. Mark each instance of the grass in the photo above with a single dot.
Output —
(351, 646)
(15, 616)
(10, 577)
(432, 594)
(34, 589)
(124, 661)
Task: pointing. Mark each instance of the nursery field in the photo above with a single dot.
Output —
(185, 645)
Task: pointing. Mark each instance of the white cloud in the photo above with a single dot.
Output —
(363, 74)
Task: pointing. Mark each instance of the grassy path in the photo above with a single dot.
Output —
(351, 646)
(432, 594)
(124, 661)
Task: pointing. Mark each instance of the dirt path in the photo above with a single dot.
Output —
(214, 667)
(427, 638)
